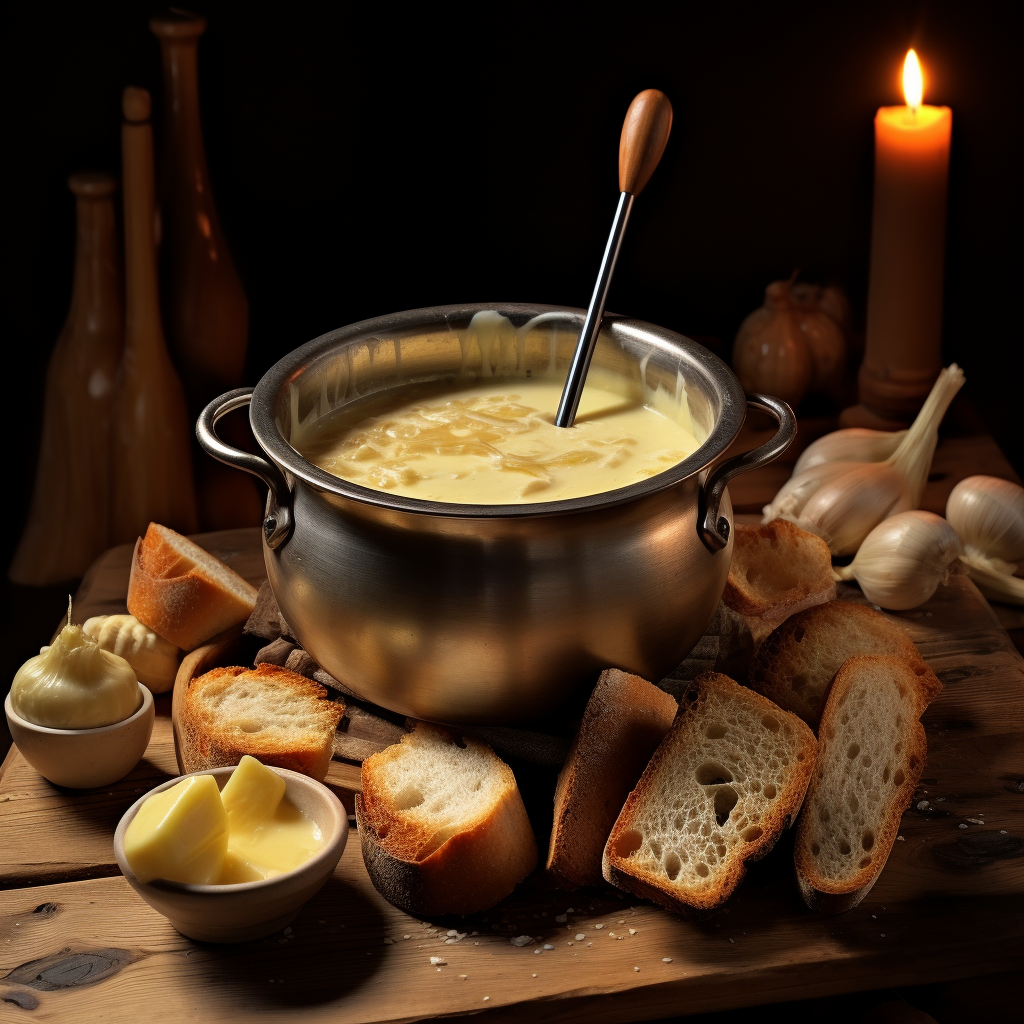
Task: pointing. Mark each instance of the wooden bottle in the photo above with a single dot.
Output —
(206, 308)
(152, 467)
(207, 312)
(69, 517)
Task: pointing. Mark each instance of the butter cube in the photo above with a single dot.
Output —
(251, 795)
(237, 868)
(180, 835)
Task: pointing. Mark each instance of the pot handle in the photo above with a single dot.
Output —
(714, 530)
(277, 521)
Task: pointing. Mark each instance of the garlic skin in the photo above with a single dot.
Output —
(75, 684)
(903, 560)
(153, 659)
(844, 501)
(988, 514)
(852, 444)
(995, 584)
(846, 509)
(771, 354)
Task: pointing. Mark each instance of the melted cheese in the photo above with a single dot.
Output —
(495, 443)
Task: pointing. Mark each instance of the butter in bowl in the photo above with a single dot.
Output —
(232, 854)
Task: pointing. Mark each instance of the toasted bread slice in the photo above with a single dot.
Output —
(796, 664)
(871, 753)
(182, 592)
(725, 782)
(625, 720)
(777, 570)
(277, 716)
(442, 826)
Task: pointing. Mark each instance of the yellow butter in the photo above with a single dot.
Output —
(193, 832)
(180, 835)
(268, 834)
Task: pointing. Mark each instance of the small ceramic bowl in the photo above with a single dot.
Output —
(84, 758)
(248, 910)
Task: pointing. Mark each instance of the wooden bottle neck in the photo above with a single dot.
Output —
(96, 287)
(142, 299)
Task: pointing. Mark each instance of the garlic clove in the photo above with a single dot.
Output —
(799, 489)
(904, 559)
(846, 509)
(996, 585)
(853, 444)
(988, 515)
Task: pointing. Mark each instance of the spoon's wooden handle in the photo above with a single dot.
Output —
(644, 137)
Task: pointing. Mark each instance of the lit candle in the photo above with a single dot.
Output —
(903, 353)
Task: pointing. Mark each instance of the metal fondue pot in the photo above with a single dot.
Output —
(492, 613)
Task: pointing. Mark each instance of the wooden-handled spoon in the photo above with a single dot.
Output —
(644, 136)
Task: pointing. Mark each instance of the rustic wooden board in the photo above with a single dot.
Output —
(949, 904)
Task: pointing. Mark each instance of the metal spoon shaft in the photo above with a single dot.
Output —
(574, 382)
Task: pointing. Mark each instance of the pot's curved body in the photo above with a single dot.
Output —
(491, 614)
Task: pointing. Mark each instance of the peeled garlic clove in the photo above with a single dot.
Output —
(153, 659)
(903, 560)
(988, 515)
(800, 488)
(846, 509)
(854, 444)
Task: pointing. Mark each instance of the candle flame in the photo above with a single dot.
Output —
(913, 85)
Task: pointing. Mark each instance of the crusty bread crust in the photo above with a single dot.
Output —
(696, 740)
(796, 664)
(777, 570)
(182, 592)
(836, 770)
(467, 870)
(211, 740)
(625, 720)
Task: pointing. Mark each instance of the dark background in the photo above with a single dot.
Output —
(366, 160)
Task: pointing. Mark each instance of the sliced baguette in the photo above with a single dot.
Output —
(442, 826)
(796, 664)
(182, 592)
(277, 716)
(871, 753)
(726, 780)
(777, 570)
(625, 720)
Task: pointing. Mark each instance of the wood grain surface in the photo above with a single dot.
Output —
(77, 944)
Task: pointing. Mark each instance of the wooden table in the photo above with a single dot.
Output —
(77, 944)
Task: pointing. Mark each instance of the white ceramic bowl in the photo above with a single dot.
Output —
(248, 910)
(84, 758)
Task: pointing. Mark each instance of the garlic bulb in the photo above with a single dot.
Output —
(771, 353)
(853, 444)
(988, 514)
(75, 684)
(843, 502)
(903, 560)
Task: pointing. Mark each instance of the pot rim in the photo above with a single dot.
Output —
(704, 364)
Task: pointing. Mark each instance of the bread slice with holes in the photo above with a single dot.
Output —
(796, 664)
(442, 825)
(777, 570)
(723, 785)
(277, 716)
(871, 753)
(183, 593)
(625, 720)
